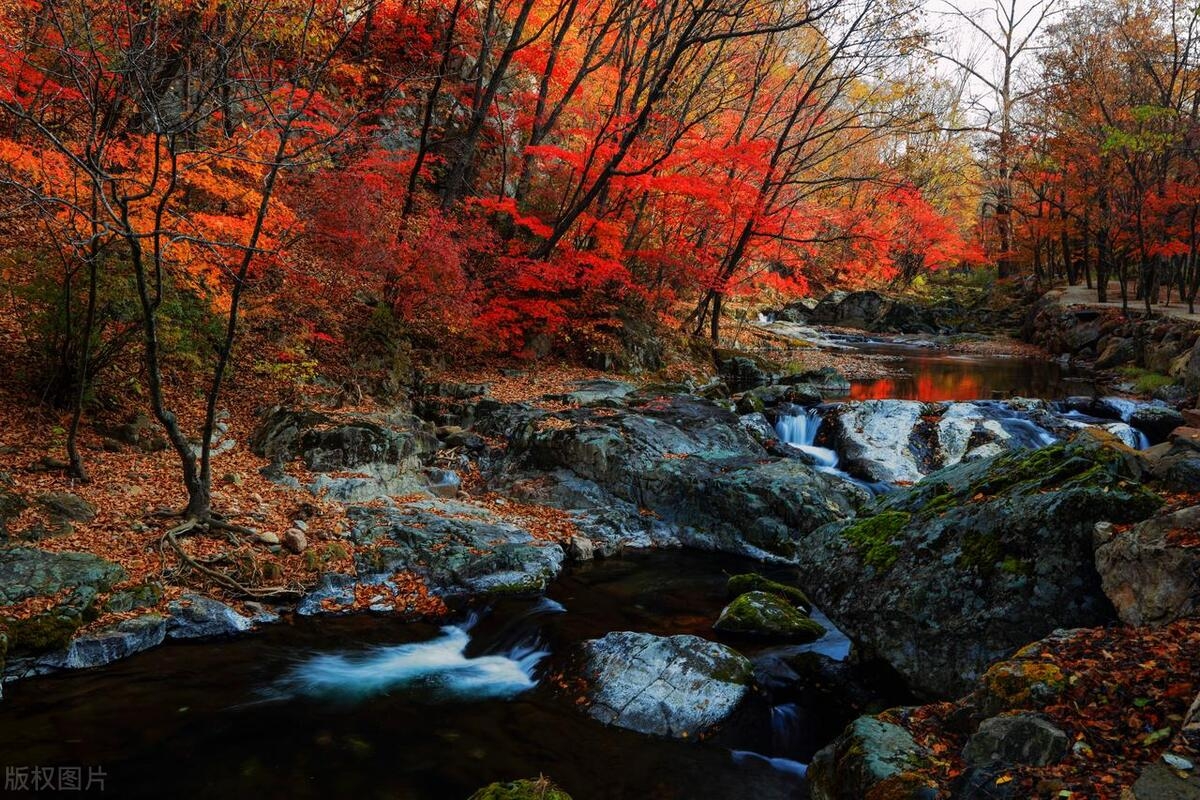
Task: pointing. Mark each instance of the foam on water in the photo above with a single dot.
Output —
(438, 669)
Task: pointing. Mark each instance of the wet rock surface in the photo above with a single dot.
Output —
(676, 686)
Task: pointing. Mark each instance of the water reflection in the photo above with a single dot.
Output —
(934, 376)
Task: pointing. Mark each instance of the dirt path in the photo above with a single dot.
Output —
(1083, 296)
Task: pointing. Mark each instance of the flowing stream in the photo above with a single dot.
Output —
(372, 707)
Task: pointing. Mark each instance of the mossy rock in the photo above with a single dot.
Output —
(753, 582)
(1018, 685)
(147, 595)
(875, 538)
(42, 633)
(539, 789)
(768, 615)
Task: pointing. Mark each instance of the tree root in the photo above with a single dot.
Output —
(194, 525)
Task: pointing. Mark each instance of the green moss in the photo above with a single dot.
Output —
(1016, 566)
(763, 614)
(51, 631)
(1146, 381)
(539, 789)
(940, 503)
(980, 551)
(753, 582)
(874, 537)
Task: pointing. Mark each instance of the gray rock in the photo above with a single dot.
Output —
(67, 506)
(975, 561)
(707, 481)
(120, 641)
(295, 541)
(444, 483)
(676, 686)
(386, 450)
(1117, 353)
(875, 440)
(868, 753)
(581, 549)
(1018, 739)
(1159, 782)
(1156, 421)
(457, 548)
(72, 579)
(597, 392)
(1150, 579)
(741, 373)
(194, 616)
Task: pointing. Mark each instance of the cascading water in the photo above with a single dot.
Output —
(438, 669)
(800, 431)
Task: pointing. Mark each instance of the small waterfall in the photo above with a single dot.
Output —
(785, 729)
(800, 431)
(438, 668)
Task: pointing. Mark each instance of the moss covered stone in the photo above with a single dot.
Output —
(769, 615)
(753, 582)
(874, 537)
(42, 633)
(539, 789)
(1019, 685)
(146, 595)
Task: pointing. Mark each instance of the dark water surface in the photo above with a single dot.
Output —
(935, 375)
(219, 719)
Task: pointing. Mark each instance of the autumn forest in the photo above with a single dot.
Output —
(600, 399)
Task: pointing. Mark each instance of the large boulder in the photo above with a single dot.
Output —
(876, 440)
(676, 686)
(976, 560)
(683, 467)
(383, 451)
(901, 441)
(456, 548)
(69, 584)
(872, 760)
(1151, 573)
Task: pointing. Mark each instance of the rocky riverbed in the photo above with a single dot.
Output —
(939, 537)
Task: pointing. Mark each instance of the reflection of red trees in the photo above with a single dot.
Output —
(926, 388)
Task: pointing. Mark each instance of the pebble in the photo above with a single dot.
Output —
(267, 538)
(1177, 762)
(295, 541)
(300, 525)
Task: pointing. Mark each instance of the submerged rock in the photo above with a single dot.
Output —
(975, 561)
(768, 615)
(676, 686)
